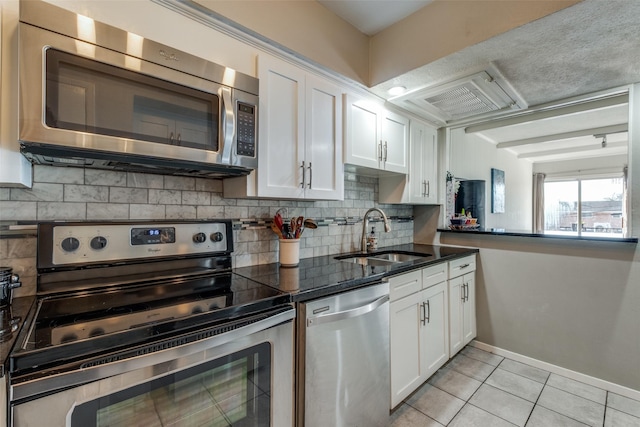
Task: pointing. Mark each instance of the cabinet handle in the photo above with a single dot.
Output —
(463, 266)
(310, 174)
(179, 139)
(380, 151)
(462, 290)
(171, 138)
(428, 316)
(423, 318)
(302, 184)
(424, 188)
(428, 186)
(467, 292)
(385, 151)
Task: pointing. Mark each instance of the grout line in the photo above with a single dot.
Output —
(581, 397)
(559, 413)
(466, 402)
(604, 416)
(538, 398)
(497, 416)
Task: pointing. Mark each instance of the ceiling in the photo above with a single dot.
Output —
(585, 48)
(373, 16)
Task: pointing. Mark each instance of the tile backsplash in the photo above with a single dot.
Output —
(65, 193)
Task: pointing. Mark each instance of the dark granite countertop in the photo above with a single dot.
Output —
(520, 233)
(17, 310)
(324, 275)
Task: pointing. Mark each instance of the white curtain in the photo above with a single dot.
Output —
(538, 202)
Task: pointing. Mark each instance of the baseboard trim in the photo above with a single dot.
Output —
(583, 378)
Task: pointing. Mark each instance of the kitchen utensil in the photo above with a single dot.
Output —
(283, 212)
(309, 223)
(277, 230)
(278, 221)
(299, 226)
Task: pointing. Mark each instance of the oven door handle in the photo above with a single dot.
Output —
(60, 380)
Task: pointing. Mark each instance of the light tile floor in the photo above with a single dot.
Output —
(481, 389)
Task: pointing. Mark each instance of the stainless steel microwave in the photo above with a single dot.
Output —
(96, 96)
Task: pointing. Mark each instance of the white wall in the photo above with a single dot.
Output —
(572, 303)
(472, 157)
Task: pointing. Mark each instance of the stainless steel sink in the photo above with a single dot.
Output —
(365, 260)
(383, 258)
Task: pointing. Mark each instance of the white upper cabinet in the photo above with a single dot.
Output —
(375, 138)
(419, 187)
(424, 165)
(300, 137)
(281, 148)
(324, 177)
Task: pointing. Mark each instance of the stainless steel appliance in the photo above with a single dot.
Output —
(8, 282)
(145, 324)
(94, 95)
(343, 360)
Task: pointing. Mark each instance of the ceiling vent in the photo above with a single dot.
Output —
(479, 94)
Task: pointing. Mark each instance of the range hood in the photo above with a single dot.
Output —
(43, 154)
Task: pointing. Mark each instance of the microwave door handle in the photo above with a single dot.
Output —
(228, 125)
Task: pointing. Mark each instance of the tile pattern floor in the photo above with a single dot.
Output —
(481, 389)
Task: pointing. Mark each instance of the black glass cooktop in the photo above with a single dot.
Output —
(67, 328)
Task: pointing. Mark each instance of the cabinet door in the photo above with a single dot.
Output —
(469, 309)
(423, 164)
(430, 166)
(395, 140)
(281, 129)
(455, 314)
(416, 169)
(363, 142)
(404, 331)
(323, 140)
(435, 337)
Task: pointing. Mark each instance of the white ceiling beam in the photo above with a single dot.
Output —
(598, 146)
(550, 113)
(564, 135)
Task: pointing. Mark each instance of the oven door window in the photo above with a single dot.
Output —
(90, 96)
(234, 390)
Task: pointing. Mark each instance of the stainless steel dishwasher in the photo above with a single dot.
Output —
(343, 359)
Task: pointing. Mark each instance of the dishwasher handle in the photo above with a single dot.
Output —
(347, 314)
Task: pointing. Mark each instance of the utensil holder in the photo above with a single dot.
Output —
(289, 252)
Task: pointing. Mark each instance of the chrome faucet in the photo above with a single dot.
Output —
(365, 225)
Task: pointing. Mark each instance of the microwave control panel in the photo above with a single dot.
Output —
(246, 125)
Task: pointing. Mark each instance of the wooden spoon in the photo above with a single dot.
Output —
(309, 223)
(276, 230)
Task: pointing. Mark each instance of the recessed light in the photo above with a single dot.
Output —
(397, 90)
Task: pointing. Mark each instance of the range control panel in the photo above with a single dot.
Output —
(74, 244)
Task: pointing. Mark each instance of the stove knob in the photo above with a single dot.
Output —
(199, 237)
(70, 244)
(217, 237)
(98, 242)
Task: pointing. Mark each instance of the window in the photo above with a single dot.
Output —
(585, 207)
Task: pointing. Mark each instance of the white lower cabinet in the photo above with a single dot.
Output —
(418, 328)
(462, 303)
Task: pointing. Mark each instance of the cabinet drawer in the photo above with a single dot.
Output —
(434, 275)
(461, 266)
(405, 284)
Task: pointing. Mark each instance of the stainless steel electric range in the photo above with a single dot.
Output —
(145, 324)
